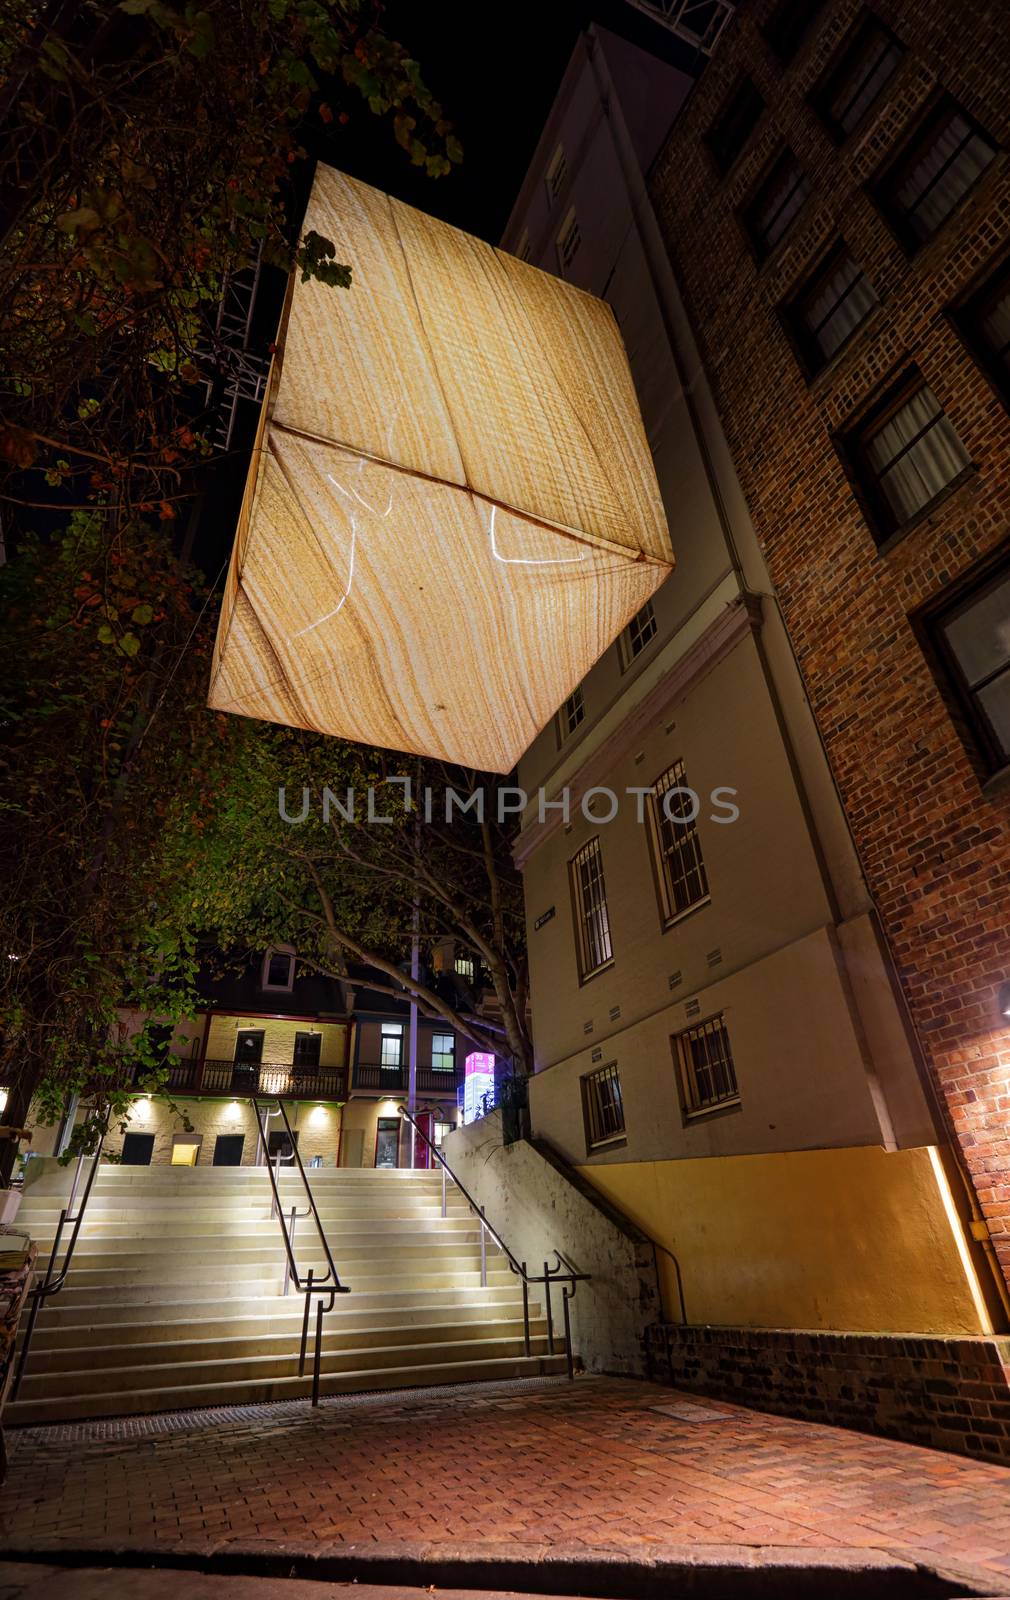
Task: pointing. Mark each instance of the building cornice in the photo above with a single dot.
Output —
(741, 616)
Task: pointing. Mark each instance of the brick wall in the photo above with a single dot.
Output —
(933, 835)
(953, 1394)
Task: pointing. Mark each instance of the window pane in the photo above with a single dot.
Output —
(863, 76)
(995, 326)
(980, 636)
(779, 202)
(915, 455)
(940, 173)
(591, 908)
(837, 305)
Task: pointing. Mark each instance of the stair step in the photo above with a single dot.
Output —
(23, 1412)
(192, 1343)
(187, 1373)
(141, 1307)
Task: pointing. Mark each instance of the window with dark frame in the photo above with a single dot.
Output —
(776, 204)
(905, 455)
(391, 1044)
(705, 1063)
(734, 125)
(557, 173)
(279, 970)
(855, 84)
(831, 306)
(789, 24)
(984, 322)
(641, 630)
(307, 1048)
(592, 919)
(443, 1052)
(970, 635)
(602, 1106)
(571, 714)
(933, 172)
(681, 879)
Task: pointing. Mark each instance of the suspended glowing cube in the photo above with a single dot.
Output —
(452, 508)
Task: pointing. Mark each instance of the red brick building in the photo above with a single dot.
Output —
(836, 201)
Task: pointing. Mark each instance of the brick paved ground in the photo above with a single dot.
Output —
(599, 1464)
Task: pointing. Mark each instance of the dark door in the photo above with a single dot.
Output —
(387, 1142)
(228, 1149)
(138, 1148)
(280, 1144)
(248, 1055)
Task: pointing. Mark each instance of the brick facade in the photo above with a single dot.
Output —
(951, 1394)
(931, 825)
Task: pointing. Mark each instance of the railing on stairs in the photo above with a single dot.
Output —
(563, 1274)
(312, 1287)
(55, 1277)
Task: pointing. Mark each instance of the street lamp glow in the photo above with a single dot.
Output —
(452, 509)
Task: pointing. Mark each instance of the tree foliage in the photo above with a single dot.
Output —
(147, 155)
(376, 849)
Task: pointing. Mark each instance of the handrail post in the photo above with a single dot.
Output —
(550, 1314)
(526, 1311)
(318, 1351)
(483, 1251)
(443, 1191)
(287, 1264)
(305, 1324)
(566, 1296)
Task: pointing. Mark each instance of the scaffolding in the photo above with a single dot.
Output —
(697, 22)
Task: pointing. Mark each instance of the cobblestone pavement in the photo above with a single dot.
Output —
(601, 1464)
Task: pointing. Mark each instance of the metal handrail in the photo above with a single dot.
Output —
(327, 1287)
(53, 1281)
(564, 1273)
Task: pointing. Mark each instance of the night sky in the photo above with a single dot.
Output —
(496, 70)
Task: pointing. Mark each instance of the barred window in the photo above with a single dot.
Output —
(556, 173)
(571, 714)
(705, 1063)
(855, 85)
(602, 1106)
(933, 173)
(681, 880)
(906, 453)
(830, 307)
(641, 630)
(777, 204)
(569, 240)
(592, 920)
(734, 125)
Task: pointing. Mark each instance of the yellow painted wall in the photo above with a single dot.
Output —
(279, 1038)
(852, 1239)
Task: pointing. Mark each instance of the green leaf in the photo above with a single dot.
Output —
(106, 635)
(141, 615)
(129, 644)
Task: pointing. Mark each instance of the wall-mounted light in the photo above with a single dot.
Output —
(319, 1114)
(1004, 999)
(232, 1111)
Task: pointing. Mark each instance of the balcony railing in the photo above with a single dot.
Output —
(267, 1078)
(393, 1080)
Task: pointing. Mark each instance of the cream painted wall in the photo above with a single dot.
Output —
(318, 1128)
(855, 1240)
(279, 1038)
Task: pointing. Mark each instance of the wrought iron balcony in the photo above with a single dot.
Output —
(267, 1077)
(375, 1077)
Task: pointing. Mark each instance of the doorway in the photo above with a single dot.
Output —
(387, 1142)
(280, 1145)
(228, 1149)
(248, 1056)
(138, 1148)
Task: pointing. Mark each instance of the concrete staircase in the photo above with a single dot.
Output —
(174, 1299)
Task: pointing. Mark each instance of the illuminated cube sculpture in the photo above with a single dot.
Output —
(452, 509)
